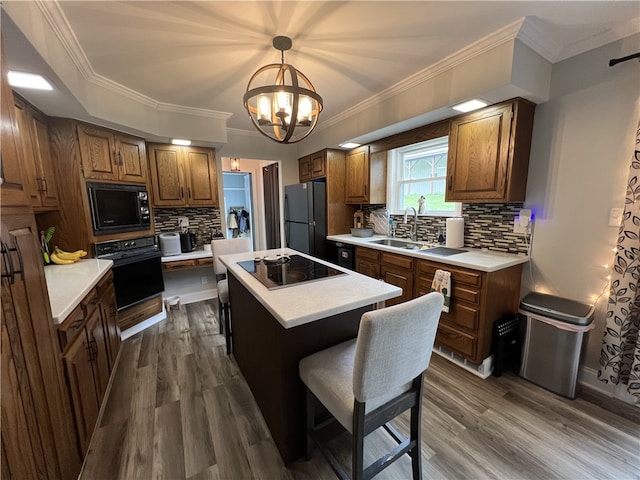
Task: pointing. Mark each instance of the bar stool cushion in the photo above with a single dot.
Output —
(223, 290)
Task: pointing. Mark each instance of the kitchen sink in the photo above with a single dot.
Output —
(392, 242)
(444, 251)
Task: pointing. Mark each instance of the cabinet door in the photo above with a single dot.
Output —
(357, 181)
(318, 165)
(200, 169)
(27, 315)
(12, 189)
(32, 179)
(77, 361)
(166, 176)
(398, 270)
(42, 150)
(98, 339)
(304, 169)
(109, 313)
(97, 152)
(368, 268)
(132, 159)
(478, 156)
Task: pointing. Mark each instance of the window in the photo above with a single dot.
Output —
(417, 177)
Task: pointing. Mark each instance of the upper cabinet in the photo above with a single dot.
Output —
(488, 156)
(39, 175)
(183, 176)
(108, 155)
(313, 167)
(13, 190)
(366, 176)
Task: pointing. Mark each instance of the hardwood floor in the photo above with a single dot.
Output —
(179, 409)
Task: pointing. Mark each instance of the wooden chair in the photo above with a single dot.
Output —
(220, 247)
(366, 382)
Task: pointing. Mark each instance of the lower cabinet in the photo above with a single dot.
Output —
(393, 269)
(89, 341)
(478, 298)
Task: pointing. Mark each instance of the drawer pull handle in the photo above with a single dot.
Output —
(6, 255)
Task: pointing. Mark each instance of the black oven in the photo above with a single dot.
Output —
(118, 208)
(137, 269)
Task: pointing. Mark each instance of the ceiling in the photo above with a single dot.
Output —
(199, 56)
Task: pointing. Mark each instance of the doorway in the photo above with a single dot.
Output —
(238, 204)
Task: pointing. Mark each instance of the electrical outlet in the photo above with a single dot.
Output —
(518, 228)
(183, 222)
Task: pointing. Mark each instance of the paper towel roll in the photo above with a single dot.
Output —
(455, 232)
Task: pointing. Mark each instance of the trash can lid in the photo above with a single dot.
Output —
(558, 308)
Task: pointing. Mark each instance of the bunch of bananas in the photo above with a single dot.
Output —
(60, 257)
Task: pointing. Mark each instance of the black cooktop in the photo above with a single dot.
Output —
(283, 271)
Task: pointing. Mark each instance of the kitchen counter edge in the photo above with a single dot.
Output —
(69, 284)
(476, 259)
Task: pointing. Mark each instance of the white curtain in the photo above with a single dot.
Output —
(620, 355)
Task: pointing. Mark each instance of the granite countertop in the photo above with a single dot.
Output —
(188, 256)
(482, 260)
(69, 284)
(306, 302)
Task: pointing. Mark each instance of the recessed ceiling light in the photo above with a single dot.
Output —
(28, 80)
(178, 141)
(349, 145)
(470, 105)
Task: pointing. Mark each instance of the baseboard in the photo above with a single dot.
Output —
(483, 370)
(588, 377)
(192, 297)
(129, 332)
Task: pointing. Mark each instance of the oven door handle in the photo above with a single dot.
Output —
(136, 258)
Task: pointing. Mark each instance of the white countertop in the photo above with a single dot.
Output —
(482, 260)
(188, 256)
(306, 302)
(69, 284)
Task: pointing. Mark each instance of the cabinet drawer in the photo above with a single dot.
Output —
(178, 264)
(398, 261)
(462, 315)
(90, 301)
(367, 253)
(204, 262)
(457, 341)
(104, 283)
(458, 292)
(458, 275)
(72, 325)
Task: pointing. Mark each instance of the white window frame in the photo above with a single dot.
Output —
(395, 160)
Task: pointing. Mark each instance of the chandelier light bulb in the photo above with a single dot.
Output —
(264, 108)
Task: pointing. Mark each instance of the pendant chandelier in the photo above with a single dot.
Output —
(281, 101)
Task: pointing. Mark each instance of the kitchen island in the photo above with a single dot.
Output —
(274, 328)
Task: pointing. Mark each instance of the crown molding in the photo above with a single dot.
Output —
(56, 19)
(495, 39)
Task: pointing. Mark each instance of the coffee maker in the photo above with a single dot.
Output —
(187, 242)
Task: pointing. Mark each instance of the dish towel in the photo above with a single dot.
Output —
(442, 284)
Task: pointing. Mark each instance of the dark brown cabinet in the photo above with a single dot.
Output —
(32, 387)
(183, 176)
(477, 300)
(488, 157)
(39, 175)
(393, 269)
(89, 343)
(366, 176)
(398, 270)
(112, 156)
(14, 190)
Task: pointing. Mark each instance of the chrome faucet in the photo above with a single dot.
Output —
(414, 230)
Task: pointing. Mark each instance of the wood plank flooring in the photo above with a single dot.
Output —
(180, 409)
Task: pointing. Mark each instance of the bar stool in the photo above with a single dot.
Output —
(366, 382)
(226, 246)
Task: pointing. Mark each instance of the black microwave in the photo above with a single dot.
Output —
(117, 208)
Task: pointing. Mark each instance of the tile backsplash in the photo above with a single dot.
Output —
(205, 218)
(486, 225)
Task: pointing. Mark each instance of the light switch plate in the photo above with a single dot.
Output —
(615, 217)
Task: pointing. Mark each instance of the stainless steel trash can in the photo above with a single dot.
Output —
(553, 337)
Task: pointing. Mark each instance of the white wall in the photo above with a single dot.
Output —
(582, 146)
